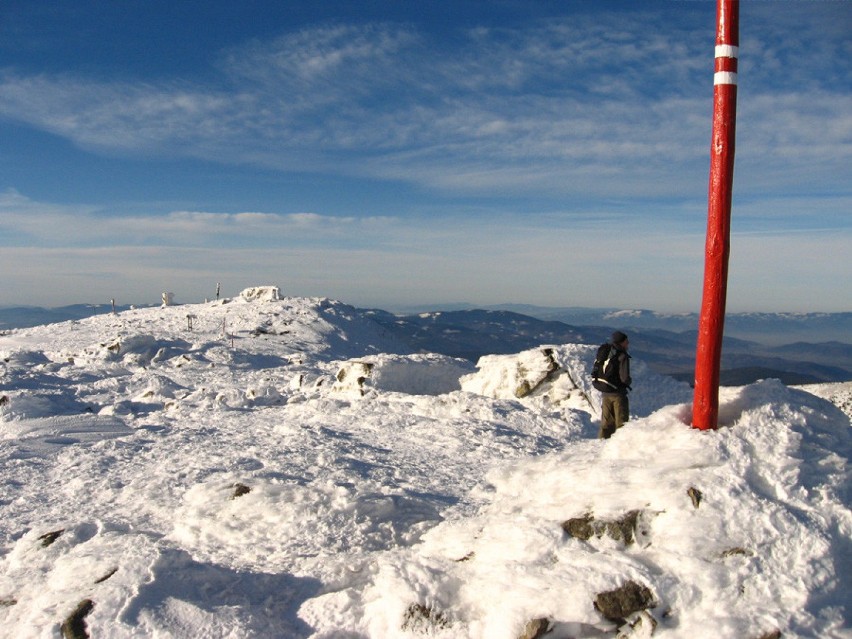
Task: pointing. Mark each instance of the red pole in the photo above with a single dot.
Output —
(705, 410)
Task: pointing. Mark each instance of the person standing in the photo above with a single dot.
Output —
(612, 379)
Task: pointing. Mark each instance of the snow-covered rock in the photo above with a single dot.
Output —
(262, 293)
(559, 376)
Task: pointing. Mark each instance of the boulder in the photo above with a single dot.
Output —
(535, 629)
(616, 605)
(261, 293)
(519, 375)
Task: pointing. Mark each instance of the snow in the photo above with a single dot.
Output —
(280, 467)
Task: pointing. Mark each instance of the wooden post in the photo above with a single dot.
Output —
(705, 411)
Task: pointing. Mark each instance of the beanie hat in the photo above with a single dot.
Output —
(618, 337)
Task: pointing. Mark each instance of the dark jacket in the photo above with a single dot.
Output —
(624, 369)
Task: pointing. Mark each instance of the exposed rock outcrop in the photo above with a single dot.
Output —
(420, 618)
(48, 538)
(616, 605)
(261, 293)
(535, 629)
(74, 626)
(695, 495)
(622, 529)
(240, 490)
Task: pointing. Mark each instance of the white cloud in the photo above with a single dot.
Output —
(492, 267)
(796, 138)
(536, 258)
(124, 117)
(538, 108)
(26, 222)
(335, 60)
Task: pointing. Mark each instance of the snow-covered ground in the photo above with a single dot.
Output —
(264, 467)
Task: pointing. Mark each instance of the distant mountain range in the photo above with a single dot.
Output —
(766, 328)
(27, 316)
(795, 348)
(473, 333)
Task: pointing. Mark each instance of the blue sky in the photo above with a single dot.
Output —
(388, 153)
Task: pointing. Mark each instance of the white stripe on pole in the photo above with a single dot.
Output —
(727, 51)
(724, 77)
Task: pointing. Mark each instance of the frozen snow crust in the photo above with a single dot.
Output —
(278, 467)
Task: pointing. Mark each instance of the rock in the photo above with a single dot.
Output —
(261, 293)
(622, 529)
(640, 626)
(732, 552)
(580, 527)
(695, 495)
(527, 386)
(100, 580)
(523, 389)
(351, 377)
(240, 490)
(512, 376)
(48, 538)
(616, 605)
(772, 634)
(535, 629)
(422, 618)
(74, 626)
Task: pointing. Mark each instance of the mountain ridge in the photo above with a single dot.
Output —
(472, 333)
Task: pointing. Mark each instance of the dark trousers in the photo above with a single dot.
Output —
(615, 410)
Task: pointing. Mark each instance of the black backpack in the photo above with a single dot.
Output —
(605, 376)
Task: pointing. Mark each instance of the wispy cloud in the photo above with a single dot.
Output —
(480, 267)
(615, 258)
(116, 117)
(25, 222)
(539, 108)
(325, 64)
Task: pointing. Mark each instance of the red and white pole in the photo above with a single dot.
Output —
(705, 410)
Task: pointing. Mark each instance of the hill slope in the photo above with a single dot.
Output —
(289, 468)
